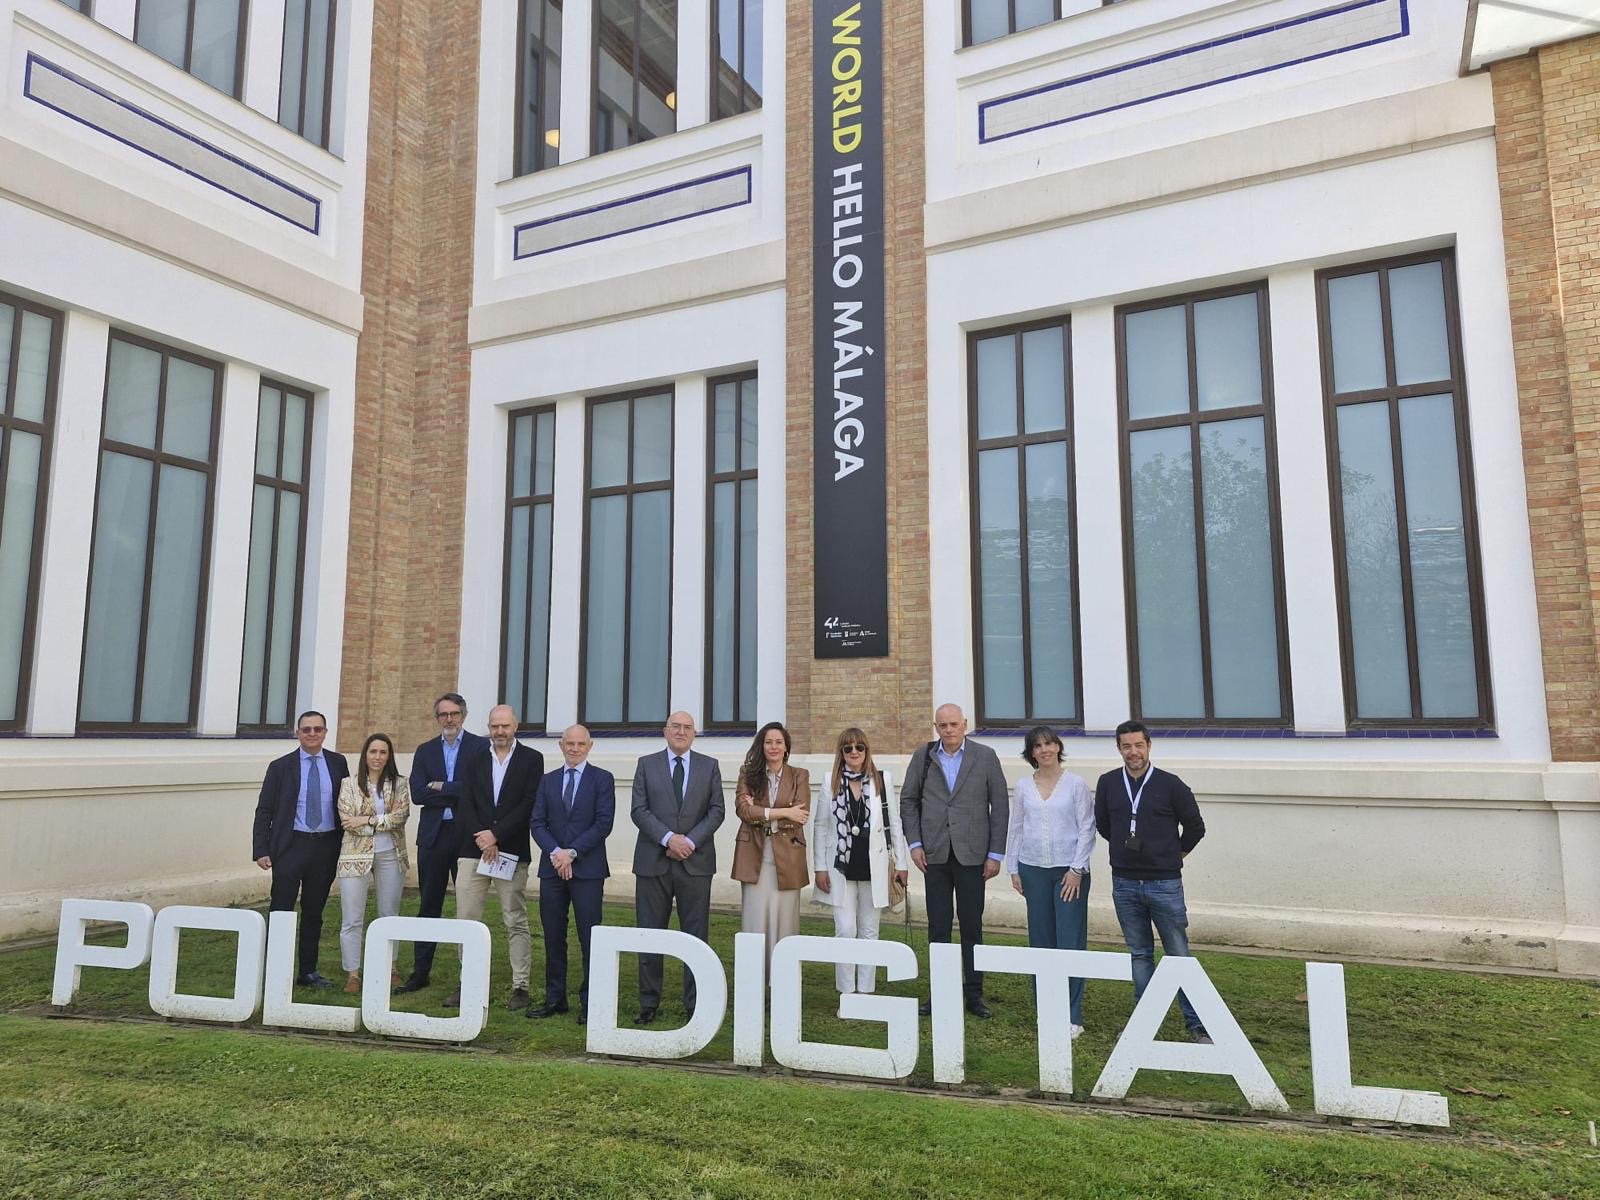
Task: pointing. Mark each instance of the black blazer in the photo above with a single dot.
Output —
(427, 766)
(280, 794)
(594, 809)
(508, 820)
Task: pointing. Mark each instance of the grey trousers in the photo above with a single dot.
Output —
(653, 898)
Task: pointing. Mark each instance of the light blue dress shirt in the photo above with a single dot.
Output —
(323, 817)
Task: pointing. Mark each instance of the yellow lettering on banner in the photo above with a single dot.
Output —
(848, 88)
(845, 25)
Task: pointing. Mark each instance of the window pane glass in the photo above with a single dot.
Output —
(650, 592)
(16, 559)
(186, 424)
(1372, 562)
(728, 88)
(747, 601)
(1050, 616)
(1227, 352)
(1157, 354)
(999, 562)
(116, 589)
(521, 455)
(162, 26)
(724, 427)
(652, 439)
(607, 582)
(749, 414)
(268, 412)
(1035, 12)
(723, 663)
(317, 70)
(254, 665)
(990, 19)
(753, 75)
(215, 54)
(174, 596)
(7, 318)
(1355, 323)
(517, 604)
(287, 584)
(544, 453)
(1416, 307)
(618, 34)
(291, 78)
(533, 704)
(294, 437)
(550, 115)
(33, 367)
(133, 388)
(658, 67)
(1242, 608)
(1044, 380)
(1438, 548)
(1165, 575)
(997, 387)
(608, 459)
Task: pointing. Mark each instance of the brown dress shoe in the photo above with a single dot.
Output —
(453, 1000)
(519, 999)
(352, 983)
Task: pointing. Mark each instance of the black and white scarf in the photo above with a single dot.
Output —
(841, 813)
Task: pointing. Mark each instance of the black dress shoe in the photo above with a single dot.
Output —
(583, 1016)
(925, 1009)
(646, 1015)
(546, 1010)
(412, 984)
(313, 979)
(979, 1009)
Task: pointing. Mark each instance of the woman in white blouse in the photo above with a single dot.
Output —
(1047, 852)
(374, 805)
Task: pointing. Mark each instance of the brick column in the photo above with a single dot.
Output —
(1547, 136)
(891, 698)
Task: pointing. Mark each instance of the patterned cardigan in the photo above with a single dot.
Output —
(355, 853)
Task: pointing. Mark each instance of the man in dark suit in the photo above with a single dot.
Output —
(572, 817)
(437, 770)
(955, 808)
(297, 834)
(677, 805)
(496, 805)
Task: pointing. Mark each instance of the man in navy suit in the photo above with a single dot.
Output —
(437, 769)
(572, 816)
(297, 834)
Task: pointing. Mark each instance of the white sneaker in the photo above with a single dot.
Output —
(1075, 1030)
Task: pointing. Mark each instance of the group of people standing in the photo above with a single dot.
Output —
(489, 811)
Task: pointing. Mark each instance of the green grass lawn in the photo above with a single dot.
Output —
(98, 1109)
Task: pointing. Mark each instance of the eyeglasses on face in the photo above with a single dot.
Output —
(853, 748)
(313, 729)
(446, 714)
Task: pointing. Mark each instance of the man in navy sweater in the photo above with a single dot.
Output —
(1150, 822)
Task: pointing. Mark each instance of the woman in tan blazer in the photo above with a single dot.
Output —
(773, 803)
(374, 806)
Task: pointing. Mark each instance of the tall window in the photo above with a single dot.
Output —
(1410, 594)
(990, 19)
(1207, 638)
(1025, 591)
(152, 534)
(30, 349)
(627, 570)
(735, 57)
(277, 560)
(525, 613)
(731, 567)
(305, 88)
(539, 86)
(635, 71)
(203, 37)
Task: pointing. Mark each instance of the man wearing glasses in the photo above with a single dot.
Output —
(297, 834)
(437, 769)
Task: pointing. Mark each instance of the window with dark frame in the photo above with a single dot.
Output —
(635, 84)
(1411, 616)
(30, 357)
(731, 421)
(1024, 533)
(305, 83)
(1207, 640)
(626, 639)
(203, 37)
(985, 20)
(538, 85)
(525, 612)
(80, 5)
(151, 547)
(273, 584)
(736, 75)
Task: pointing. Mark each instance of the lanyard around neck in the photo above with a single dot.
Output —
(1135, 796)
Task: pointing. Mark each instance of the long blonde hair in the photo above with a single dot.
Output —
(868, 768)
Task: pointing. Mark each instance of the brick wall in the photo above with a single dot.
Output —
(891, 698)
(1547, 131)
(407, 511)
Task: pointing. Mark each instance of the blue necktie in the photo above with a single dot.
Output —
(313, 795)
(567, 791)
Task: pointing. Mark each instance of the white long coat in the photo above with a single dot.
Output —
(825, 840)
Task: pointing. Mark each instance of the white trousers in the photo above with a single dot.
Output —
(353, 905)
(854, 916)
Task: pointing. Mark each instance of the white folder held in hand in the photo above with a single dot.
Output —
(503, 867)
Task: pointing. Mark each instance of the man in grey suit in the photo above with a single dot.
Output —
(677, 805)
(954, 808)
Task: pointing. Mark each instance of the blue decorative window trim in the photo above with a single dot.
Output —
(643, 211)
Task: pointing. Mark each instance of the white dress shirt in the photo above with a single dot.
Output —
(499, 766)
(1058, 832)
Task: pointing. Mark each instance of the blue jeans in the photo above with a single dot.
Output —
(1054, 923)
(1139, 903)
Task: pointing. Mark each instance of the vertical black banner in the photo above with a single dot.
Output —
(851, 535)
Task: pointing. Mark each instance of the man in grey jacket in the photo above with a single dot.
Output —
(677, 805)
(954, 807)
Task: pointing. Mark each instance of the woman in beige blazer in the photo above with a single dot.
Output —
(772, 802)
(374, 806)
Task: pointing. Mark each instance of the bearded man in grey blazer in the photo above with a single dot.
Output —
(677, 805)
(954, 807)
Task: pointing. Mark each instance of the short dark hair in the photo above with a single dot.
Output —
(455, 697)
(1132, 727)
(310, 712)
(1037, 735)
